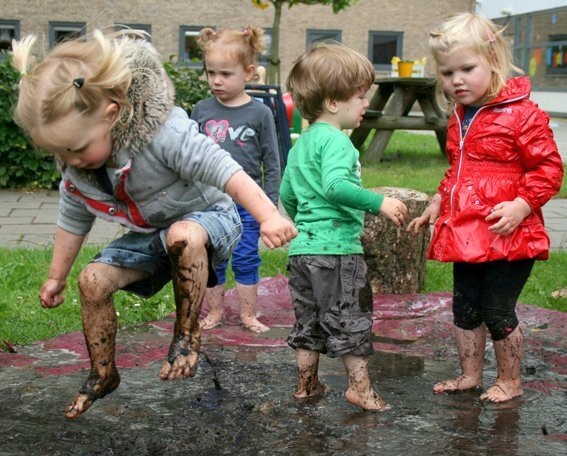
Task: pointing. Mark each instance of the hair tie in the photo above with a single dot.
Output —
(78, 83)
(23, 73)
(246, 31)
(491, 37)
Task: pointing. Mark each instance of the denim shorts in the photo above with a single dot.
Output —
(147, 252)
(332, 301)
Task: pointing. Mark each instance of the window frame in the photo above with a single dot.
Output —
(10, 25)
(55, 26)
(183, 29)
(372, 35)
(135, 26)
(311, 36)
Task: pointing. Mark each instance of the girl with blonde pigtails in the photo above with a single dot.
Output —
(245, 128)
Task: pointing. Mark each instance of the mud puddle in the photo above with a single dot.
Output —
(254, 414)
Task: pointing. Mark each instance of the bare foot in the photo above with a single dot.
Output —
(95, 387)
(182, 359)
(367, 400)
(461, 383)
(212, 320)
(502, 391)
(318, 389)
(254, 325)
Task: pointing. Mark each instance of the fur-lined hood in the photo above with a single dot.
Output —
(151, 96)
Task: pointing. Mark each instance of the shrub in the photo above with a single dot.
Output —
(21, 165)
(190, 87)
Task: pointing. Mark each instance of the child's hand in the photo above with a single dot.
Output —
(277, 231)
(429, 216)
(509, 215)
(51, 293)
(395, 210)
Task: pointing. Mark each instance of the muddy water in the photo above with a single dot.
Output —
(254, 414)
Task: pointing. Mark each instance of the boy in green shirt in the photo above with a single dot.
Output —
(322, 193)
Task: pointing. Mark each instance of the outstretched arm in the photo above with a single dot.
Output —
(429, 216)
(275, 229)
(65, 251)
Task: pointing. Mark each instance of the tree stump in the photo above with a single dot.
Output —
(396, 258)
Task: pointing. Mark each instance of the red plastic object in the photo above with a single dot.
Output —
(288, 107)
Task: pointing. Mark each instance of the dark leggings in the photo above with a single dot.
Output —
(487, 293)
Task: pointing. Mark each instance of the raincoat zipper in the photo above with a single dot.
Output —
(461, 143)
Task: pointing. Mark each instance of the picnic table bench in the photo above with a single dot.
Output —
(389, 109)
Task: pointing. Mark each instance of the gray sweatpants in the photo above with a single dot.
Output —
(332, 301)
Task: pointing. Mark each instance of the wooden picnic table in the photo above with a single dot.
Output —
(389, 110)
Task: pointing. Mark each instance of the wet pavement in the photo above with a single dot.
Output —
(243, 405)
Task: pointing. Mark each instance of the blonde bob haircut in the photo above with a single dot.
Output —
(327, 71)
(75, 75)
(477, 33)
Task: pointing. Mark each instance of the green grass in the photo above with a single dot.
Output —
(412, 161)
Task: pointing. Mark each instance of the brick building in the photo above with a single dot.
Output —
(379, 29)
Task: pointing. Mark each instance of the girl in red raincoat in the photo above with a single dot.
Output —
(487, 211)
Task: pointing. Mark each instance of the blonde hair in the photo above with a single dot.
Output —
(75, 75)
(327, 71)
(479, 34)
(243, 45)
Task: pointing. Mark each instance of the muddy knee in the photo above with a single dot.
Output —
(500, 329)
(96, 283)
(185, 235)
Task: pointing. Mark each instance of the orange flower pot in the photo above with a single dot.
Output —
(405, 69)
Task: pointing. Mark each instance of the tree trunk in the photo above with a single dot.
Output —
(273, 76)
(396, 258)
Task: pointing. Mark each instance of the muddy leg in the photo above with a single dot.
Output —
(247, 297)
(97, 284)
(215, 300)
(308, 384)
(359, 391)
(186, 243)
(509, 353)
(470, 345)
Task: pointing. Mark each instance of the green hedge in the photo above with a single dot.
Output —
(23, 166)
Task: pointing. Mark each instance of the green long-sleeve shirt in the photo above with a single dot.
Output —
(322, 192)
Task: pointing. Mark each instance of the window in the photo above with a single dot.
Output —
(539, 41)
(382, 46)
(316, 36)
(189, 49)
(144, 27)
(9, 30)
(63, 31)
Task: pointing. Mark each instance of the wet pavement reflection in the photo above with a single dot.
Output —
(254, 413)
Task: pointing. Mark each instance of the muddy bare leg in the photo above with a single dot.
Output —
(215, 299)
(359, 391)
(247, 297)
(470, 345)
(308, 384)
(186, 243)
(509, 353)
(97, 284)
